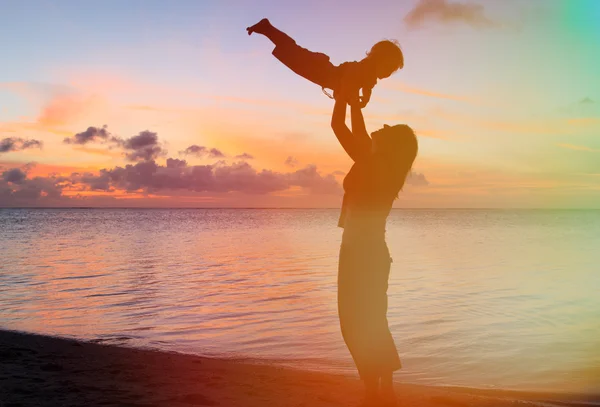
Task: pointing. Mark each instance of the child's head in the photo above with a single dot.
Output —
(387, 56)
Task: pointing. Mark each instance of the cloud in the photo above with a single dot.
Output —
(584, 121)
(18, 190)
(395, 85)
(93, 182)
(310, 179)
(174, 179)
(143, 147)
(291, 162)
(176, 163)
(445, 11)
(214, 153)
(66, 108)
(578, 148)
(194, 150)
(18, 144)
(61, 106)
(416, 179)
(586, 106)
(14, 176)
(201, 151)
(99, 151)
(216, 178)
(92, 134)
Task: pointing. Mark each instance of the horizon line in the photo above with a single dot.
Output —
(277, 208)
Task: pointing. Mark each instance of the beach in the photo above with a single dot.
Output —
(40, 370)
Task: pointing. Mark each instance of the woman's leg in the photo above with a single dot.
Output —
(371, 382)
(362, 306)
(389, 359)
(349, 314)
(353, 312)
(387, 387)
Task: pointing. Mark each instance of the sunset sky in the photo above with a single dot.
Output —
(100, 102)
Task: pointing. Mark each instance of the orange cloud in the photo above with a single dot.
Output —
(543, 126)
(417, 91)
(285, 104)
(585, 121)
(20, 127)
(578, 148)
(99, 151)
(272, 153)
(65, 109)
(61, 112)
(43, 170)
(75, 191)
(437, 134)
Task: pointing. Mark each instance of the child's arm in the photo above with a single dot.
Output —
(349, 81)
(357, 76)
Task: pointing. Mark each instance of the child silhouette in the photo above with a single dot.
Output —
(381, 61)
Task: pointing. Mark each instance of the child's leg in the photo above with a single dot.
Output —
(277, 37)
(313, 66)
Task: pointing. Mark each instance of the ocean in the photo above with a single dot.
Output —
(505, 299)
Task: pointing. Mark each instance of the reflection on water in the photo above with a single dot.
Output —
(477, 298)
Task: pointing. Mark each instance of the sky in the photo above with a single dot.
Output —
(172, 104)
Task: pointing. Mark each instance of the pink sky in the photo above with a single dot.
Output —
(504, 98)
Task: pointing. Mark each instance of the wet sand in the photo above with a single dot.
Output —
(39, 370)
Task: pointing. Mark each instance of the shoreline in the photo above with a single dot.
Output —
(52, 371)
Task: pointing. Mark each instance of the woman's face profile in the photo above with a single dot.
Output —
(376, 140)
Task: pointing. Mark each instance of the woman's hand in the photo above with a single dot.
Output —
(365, 97)
(341, 93)
(347, 91)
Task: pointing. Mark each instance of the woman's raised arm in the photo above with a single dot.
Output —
(354, 146)
(359, 130)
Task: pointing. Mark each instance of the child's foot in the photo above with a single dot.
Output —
(259, 27)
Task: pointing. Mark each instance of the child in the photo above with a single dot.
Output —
(381, 61)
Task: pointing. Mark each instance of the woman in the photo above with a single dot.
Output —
(381, 164)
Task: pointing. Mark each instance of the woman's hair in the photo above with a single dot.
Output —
(388, 50)
(397, 149)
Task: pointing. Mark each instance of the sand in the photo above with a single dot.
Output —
(39, 370)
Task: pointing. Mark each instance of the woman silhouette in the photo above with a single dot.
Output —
(381, 164)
